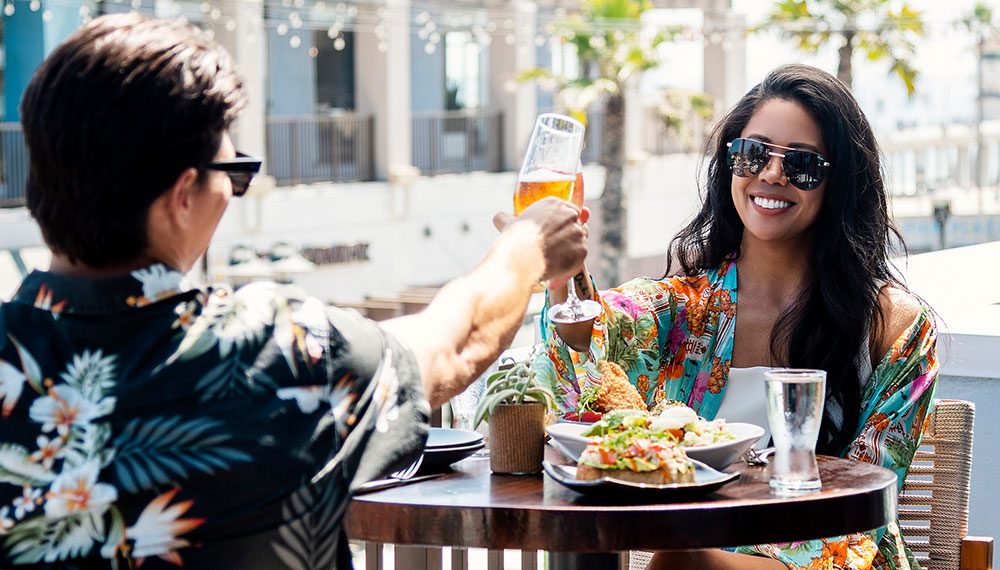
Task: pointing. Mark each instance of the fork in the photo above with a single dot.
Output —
(396, 478)
(408, 471)
(754, 457)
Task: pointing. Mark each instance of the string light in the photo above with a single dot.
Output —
(429, 19)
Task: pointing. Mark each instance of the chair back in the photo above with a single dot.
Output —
(934, 502)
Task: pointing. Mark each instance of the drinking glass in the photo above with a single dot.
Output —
(552, 168)
(463, 406)
(794, 411)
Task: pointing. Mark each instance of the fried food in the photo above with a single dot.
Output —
(617, 393)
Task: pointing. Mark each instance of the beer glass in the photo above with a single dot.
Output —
(550, 163)
(551, 168)
(794, 411)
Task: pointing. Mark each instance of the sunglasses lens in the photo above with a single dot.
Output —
(747, 157)
(241, 182)
(804, 169)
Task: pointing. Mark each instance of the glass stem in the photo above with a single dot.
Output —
(572, 303)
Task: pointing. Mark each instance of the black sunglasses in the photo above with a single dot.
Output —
(805, 169)
(240, 170)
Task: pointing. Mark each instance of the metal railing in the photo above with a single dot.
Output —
(923, 160)
(13, 165)
(321, 148)
(657, 137)
(457, 141)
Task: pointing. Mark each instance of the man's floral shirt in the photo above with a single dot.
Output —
(144, 422)
(674, 339)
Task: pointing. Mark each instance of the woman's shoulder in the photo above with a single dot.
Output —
(900, 311)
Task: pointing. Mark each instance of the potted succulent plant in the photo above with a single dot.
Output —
(516, 404)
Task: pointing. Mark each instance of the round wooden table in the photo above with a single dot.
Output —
(473, 508)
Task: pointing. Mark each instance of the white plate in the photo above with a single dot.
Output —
(706, 480)
(717, 456)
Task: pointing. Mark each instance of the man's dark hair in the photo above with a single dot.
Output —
(111, 118)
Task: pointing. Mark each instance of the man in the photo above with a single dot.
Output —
(148, 421)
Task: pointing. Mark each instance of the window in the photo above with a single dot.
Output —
(462, 56)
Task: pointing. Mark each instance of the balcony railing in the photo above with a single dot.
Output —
(656, 139)
(457, 141)
(321, 148)
(13, 165)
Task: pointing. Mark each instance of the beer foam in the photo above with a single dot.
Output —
(546, 175)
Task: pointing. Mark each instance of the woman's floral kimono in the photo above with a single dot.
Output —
(678, 335)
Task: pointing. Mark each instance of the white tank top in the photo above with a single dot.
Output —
(743, 400)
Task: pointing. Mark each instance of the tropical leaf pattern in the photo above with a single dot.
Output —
(234, 378)
(50, 540)
(17, 468)
(308, 539)
(692, 331)
(166, 450)
(141, 419)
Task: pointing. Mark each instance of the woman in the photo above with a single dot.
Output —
(795, 206)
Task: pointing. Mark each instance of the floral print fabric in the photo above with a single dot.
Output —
(674, 338)
(143, 422)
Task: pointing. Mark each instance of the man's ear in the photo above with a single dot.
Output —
(177, 201)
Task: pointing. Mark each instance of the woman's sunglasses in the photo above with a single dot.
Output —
(805, 169)
(240, 170)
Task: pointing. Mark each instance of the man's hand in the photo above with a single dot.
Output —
(561, 233)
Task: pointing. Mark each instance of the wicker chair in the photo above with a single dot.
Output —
(934, 502)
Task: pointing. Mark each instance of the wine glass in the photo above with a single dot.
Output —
(552, 168)
(573, 310)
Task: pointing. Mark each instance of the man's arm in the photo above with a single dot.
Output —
(474, 318)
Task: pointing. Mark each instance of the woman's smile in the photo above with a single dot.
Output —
(770, 205)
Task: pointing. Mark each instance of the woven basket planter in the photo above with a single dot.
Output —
(517, 438)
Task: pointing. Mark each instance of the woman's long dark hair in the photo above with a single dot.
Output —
(830, 322)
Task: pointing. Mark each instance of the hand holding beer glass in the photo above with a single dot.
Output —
(550, 168)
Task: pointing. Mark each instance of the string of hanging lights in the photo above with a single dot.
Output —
(432, 20)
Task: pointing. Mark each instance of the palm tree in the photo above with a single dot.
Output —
(612, 50)
(872, 27)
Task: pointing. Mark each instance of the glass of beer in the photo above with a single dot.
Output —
(550, 163)
(551, 168)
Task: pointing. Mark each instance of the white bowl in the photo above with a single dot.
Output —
(717, 456)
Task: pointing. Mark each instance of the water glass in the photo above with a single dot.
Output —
(463, 406)
(794, 411)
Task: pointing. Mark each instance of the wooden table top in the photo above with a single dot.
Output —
(473, 508)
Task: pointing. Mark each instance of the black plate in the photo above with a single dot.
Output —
(706, 480)
(438, 460)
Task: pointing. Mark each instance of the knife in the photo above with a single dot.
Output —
(382, 484)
